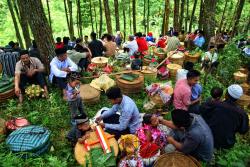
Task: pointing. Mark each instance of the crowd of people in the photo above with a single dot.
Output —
(195, 129)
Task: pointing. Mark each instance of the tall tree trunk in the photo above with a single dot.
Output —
(187, 16)
(237, 16)
(66, 14)
(247, 26)
(167, 13)
(181, 14)
(192, 16)
(230, 16)
(18, 35)
(144, 16)
(107, 15)
(148, 17)
(223, 16)
(117, 20)
(209, 19)
(16, 10)
(71, 23)
(40, 29)
(134, 15)
(130, 19)
(101, 18)
(176, 14)
(24, 25)
(48, 8)
(96, 29)
(124, 18)
(79, 18)
(91, 15)
(201, 15)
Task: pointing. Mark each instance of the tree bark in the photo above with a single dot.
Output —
(223, 16)
(176, 15)
(209, 19)
(130, 19)
(101, 18)
(144, 16)
(16, 10)
(79, 18)
(237, 16)
(47, 2)
(192, 16)
(71, 23)
(40, 29)
(230, 16)
(18, 35)
(107, 15)
(96, 29)
(117, 20)
(181, 14)
(134, 15)
(167, 12)
(91, 15)
(148, 17)
(24, 25)
(124, 18)
(201, 15)
(66, 14)
(187, 16)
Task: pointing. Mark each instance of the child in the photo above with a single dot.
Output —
(79, 133)
(196, 91)
(216, 94)
(137, 62)
(73, 95)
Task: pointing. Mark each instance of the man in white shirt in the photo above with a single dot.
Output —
(131, 45)
(60, 66)
(209, 60)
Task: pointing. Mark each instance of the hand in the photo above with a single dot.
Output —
(98, 119)
(102, 125)
(30, 73)
(17, 91)
(170, 139)
(66, 70)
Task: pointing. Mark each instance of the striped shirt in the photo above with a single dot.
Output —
(172, 43)
(9, 60)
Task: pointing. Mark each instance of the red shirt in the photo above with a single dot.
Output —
(59, 45)
(182, 95)
(161, 43)
(142, 44)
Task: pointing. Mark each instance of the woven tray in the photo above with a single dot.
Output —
(176, 159)
(89, 94)
(81, 153)
(7, 95)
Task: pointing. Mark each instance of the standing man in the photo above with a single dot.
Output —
(28, 70)
(96, 47)
(60, 66)
(183, 92)
(123, 117)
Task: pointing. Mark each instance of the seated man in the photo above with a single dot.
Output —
(28, 70)
(225, 118)
(60, 66)
(123, 117)
(197, 139)
(131, 45)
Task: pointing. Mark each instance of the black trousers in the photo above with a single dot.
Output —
(114, 119)
(60, 82)
(38, 79)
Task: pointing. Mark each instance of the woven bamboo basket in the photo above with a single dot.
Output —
(176, 159)
(161, 56)
(6, 95)
(244, 100)
(81, 152)
(128, 87)
(173, 68)
(246, 88)
(100, 61)
(240, 77)
(176, 58)
(89, 94)
(2, 126)
(157, 98)
(192, 58)
(149, 72)
(146, 61)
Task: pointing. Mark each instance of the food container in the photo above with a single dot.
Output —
(149, 72)
(192, 58)
(173, 68)
(100, 61)
(240, 77)
(176, 57)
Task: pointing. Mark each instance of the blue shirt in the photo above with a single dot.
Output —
(129, 115)
(196, 91)
(198, 140)
(199, 41)
(70, 92)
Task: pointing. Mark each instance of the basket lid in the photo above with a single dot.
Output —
(88, 92)
(99, 60)
(135, 81)
(176, 159)
(174, 66)
(148, 70)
